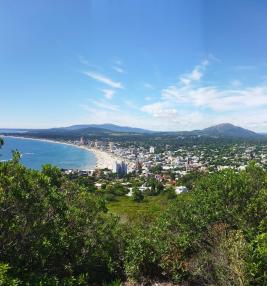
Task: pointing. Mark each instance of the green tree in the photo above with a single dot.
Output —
(54, 232)
(215, 235)
(137, 195)
(169, 192)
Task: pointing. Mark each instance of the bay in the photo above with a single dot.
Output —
(36, 153)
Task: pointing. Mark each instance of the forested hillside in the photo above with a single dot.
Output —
(58, 231)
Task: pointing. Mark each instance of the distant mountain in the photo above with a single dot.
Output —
(225, 130)
(229, 130)
(12, 130)
(109, 127)
(95, 131)
(72, 131)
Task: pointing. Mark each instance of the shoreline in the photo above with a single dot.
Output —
(103, 159)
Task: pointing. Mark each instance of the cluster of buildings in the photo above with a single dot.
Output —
(146, 160)
(168, 166)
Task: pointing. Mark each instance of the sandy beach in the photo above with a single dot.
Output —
(104, 159)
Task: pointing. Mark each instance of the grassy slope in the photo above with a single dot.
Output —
(129, 210)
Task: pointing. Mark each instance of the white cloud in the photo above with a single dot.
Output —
(186, 105)
(103, 79)
(159, 109)
(195, 75)
(166, 117)
(108, 93)
(216, 99)
(118, 66)
(118, 69)
(163, 116)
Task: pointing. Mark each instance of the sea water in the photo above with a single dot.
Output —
(35, 153)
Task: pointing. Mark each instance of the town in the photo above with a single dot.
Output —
(153, 170)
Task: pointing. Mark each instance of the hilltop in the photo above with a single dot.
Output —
(229, 130)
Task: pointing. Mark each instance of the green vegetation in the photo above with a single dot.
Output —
(190, 179)
(131, 211)
(57, 230)
(53, 231)
(137, 195)
(211, 238)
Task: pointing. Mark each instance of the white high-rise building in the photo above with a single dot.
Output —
(151, 150)
(111, 146)
(120, 168)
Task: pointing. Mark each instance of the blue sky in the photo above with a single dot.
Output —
(158, 64)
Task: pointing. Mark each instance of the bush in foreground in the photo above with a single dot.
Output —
(56, 231)
(52, 231)
(216, 235)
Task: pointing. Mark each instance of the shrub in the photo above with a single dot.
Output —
(52, 229)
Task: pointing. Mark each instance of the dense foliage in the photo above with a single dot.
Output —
(56, 231)
(216, 235)
(53, 231)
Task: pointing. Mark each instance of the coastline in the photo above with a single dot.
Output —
(103, 159)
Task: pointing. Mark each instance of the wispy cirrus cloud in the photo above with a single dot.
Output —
(189, 99)
(160, 109)
(118, 69)
(216, 99)
(118, 66)
(195, 75)
(168, 117)
(189, 103)
(104, 79)
(188, 92)
(108, 93)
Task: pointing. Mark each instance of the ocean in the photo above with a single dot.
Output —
(36, 153)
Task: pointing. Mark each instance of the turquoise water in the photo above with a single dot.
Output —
(36, 153)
